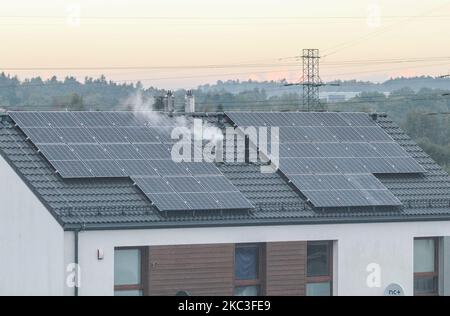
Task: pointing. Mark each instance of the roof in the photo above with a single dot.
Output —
(111, 203)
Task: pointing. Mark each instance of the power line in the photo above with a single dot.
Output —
(337, 48)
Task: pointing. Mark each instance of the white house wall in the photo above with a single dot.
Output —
(31, 241)
(388, 246)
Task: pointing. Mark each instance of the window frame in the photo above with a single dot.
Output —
(435, 273)
(144, 281)
(260, 281)
(322, 278)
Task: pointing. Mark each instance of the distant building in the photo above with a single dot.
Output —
(355, 207)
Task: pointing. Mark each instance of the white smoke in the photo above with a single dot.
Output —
(142, 106)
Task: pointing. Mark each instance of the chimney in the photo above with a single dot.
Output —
(189, 105)
(169, 102)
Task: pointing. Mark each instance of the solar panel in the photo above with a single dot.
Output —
(104, 168)
(301, 150)
(405, 165)
(153, 185)
(365, 182)
(71, 169)
(201, 201)
(136, 167)
(42, 135)
(122, 151)
(28, 119)
(357, 119)
(351, 198)
(390, 150)
(154, 151)
(139, 134)
(75, 135)
(216, 183)
(60, 119)
(126, 119)
(324, 155)
(92, 119)
(346, 134)
(168, 168)
(373, 134)
(125, 144)
(90, 152)
(186, 184)
(348, 165)
(232, 200)
(57, 152)
(201, 168)
(107, 135)
(332, 119)
(362, 150)
(168, 201)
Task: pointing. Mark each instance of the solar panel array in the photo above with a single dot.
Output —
(127, 144)
(331, 158)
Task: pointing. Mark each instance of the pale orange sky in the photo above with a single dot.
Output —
(120, 33)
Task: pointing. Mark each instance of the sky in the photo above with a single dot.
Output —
(200, 41)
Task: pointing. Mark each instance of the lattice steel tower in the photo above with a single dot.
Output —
(311, 80)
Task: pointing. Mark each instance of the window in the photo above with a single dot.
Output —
(426, 266)
(128, 271)
(319, 268)
(248, 270)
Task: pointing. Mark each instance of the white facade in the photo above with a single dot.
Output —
(358, 247)
(31, 241)
(35, 251)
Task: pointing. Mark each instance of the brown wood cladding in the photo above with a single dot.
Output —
(197, 269)
(286, 268)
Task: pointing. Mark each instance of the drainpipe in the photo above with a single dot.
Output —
(76, 259)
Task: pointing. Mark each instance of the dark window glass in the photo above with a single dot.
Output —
(251, 290)
(318, 259)
(425, 285)
(246, 263)
(426, 270)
